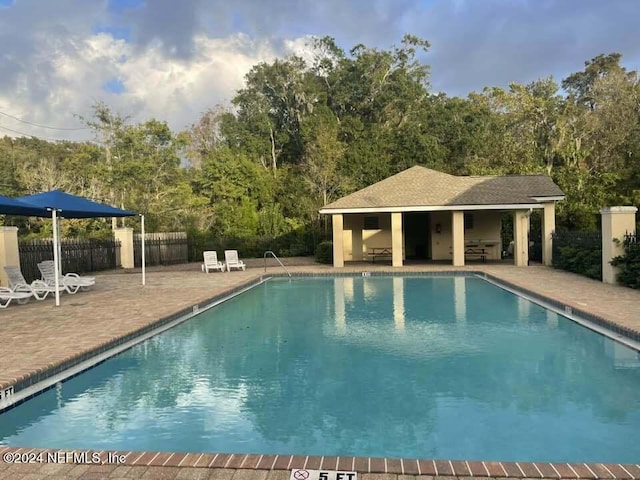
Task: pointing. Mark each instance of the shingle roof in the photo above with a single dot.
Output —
(420, 186)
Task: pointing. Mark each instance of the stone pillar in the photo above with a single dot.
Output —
(548, 227)
(338, 247)
(396, 239)
(9, 254)
(357, 225)
(457, 237)
(616, 221)
(521, 238)
(125, 236)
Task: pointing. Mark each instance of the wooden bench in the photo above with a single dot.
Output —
(376, 252)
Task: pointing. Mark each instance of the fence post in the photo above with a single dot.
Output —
(125, 236)
(9, 254)
(616, 221)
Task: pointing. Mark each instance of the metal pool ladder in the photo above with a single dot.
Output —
(277, 259)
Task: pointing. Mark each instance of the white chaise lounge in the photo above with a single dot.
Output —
(6, 295)
(72, 282)
(231, 258)
(37, 288)
(211, 262)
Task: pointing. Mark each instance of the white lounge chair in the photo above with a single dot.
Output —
(6, 295)
(72, 282)
(211, 262)
(38, 288)
(231, 257)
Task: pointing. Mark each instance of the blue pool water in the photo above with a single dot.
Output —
(429, 367)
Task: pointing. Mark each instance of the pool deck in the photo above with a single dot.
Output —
(38, 338)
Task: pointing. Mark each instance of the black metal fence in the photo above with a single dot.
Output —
(161, 249)
(578, 252)
(628, 264)
(632, 240)
(79, 256)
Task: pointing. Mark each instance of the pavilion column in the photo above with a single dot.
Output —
(457, 237)
(338, 240)
(9, 253)
(357, 225)
(548, 227)
(396, 239)
(521, 238)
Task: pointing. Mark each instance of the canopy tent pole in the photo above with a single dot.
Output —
(56, 259)
(59, 248)
(144, 272)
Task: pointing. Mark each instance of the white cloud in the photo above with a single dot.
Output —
(180, 62)
(156, 85)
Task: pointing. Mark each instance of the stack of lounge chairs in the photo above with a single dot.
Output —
(21, 291)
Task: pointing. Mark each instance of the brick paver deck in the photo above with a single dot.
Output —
(38, 336)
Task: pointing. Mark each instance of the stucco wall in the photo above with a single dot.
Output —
(487, 226)
(441, 243)
(380, 238)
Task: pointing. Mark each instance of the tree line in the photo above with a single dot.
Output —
(301, 133)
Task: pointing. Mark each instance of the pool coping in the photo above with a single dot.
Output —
(399, 466)
(403, 466)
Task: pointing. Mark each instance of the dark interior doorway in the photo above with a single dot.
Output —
(416, 235)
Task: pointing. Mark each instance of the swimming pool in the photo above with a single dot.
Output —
(428, 367)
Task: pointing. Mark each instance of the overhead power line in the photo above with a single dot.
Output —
(40, 125)
(31, 135)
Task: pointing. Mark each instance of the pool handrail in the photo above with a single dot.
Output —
(277, 259)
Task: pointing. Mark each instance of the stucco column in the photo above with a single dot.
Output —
(338, 247)
(616, 221)
(125, 236)
(457, 237)
(396, 239)
(9, 254)
(521, 238)
(548, 226)
(357, 225)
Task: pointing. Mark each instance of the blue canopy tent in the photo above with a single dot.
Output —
(11, 206)
(57, 203)
(73, 206)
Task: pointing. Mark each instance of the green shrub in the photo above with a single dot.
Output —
(581, 260)
(629, 265)
(324, 252)
(578, 252)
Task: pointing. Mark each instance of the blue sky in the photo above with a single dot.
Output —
(173, 60)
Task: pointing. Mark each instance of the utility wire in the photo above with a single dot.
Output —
(30, 135)
(42, 126)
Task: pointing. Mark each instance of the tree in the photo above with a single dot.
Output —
(321, 164)
(580, 84)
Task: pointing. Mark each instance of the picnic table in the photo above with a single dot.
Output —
(374, 252)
